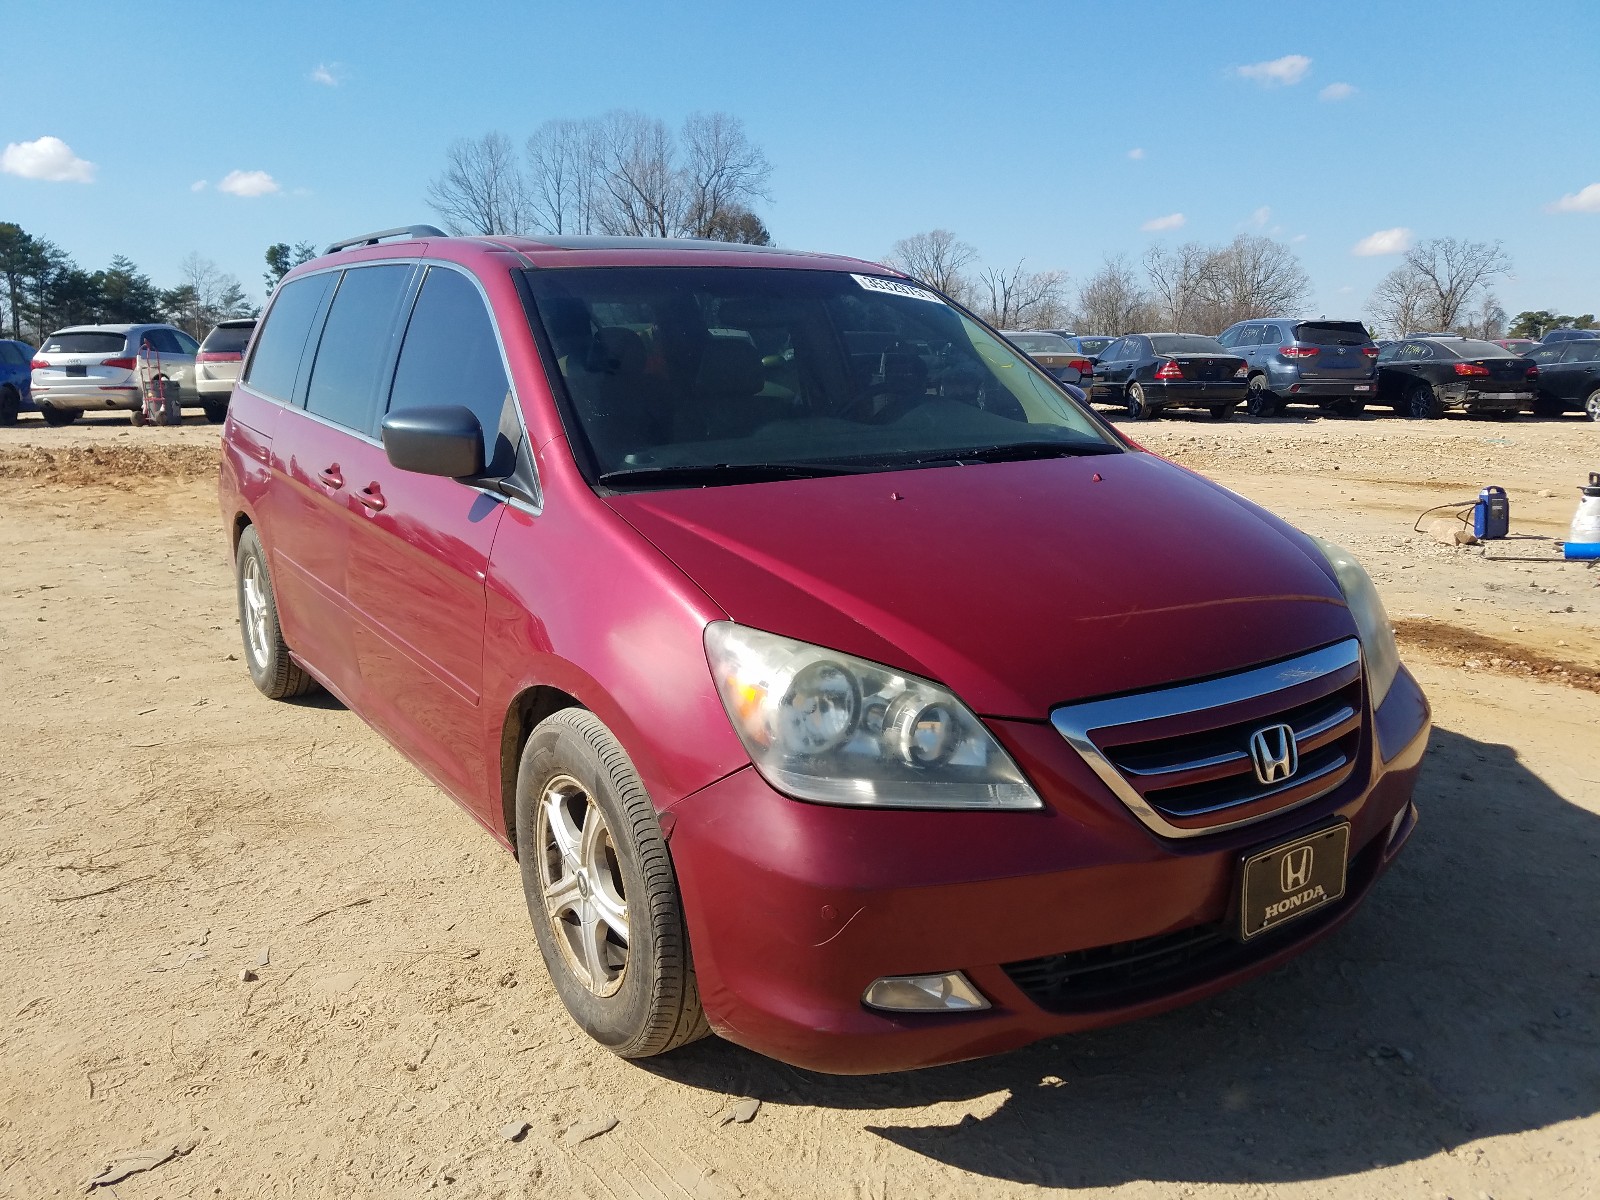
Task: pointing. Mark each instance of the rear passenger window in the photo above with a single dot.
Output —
(1271, 335)
(451, 356)
(276, 361)
(355, 345)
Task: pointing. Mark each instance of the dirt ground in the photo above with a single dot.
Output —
(250, 930)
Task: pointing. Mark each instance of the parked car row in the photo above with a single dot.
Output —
(1269, 363)
(98, 368)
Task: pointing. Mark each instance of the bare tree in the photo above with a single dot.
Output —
(204, 295)
(1112, 302)
(723, 171)
(1022, 299)
(641, 187)
(1487, 320)
(1251, 277)
(1178, 284)
(564, 176)
(938, 258)
(481, 189)
(1437, 284)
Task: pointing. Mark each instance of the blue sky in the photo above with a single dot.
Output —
(1014, 126)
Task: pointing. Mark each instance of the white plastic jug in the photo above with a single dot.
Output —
(1586, 522)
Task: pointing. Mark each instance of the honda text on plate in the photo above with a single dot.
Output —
(842, 685)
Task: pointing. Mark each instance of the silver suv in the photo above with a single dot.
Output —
(217, 365)
(98, 367)
(1328, 363)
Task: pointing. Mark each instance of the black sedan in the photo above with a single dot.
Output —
(1427, 377)
(1144, 373)
(1569, 377)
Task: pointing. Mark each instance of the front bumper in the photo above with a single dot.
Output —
(794, 909)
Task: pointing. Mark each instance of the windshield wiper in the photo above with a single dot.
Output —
(693, 473)
(1017, 451)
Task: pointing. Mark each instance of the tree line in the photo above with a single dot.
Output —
(624, 173)
(42, 289)
(1442, 285)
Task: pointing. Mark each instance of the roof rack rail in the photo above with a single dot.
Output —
(372, 239)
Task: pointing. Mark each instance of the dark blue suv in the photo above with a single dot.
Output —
(1328, 363)
(16, 378)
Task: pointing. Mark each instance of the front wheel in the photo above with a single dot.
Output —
(266, 654)
(1138, 404)
(601, 890)
(1347, 408)
(1221, 412)
(1592, 405)
(1424, 403)
(58, 417)
(1547, 406)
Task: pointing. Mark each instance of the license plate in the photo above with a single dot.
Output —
(1291, 880)
(77, 372)
(1499, 395)
(1363, 387)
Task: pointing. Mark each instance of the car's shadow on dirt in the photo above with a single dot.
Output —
(1461, 1003)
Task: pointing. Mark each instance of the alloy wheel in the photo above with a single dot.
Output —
(580, 880)
(255, 610)
(1592, 405)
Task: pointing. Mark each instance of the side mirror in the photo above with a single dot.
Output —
(445, 440)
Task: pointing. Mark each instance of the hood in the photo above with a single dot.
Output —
(1019, 586)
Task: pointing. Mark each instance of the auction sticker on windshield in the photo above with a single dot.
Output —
(891, 287)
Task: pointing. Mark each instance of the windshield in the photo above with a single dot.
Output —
(1040, 343)
(698, 370)
(84, 342)
(1185, 343)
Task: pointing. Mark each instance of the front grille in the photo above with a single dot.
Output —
(1108, 977)
(1180, 757)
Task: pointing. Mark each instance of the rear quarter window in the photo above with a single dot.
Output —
(276, 362)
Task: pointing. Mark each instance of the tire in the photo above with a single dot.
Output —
(1347, 408)
(57, 417)
(1592, 405)
(10, 406)
(1423, 403)
(1547, 406)
(216, 413)
(138, 418)
(1138, 405)
(635, 993)
(1260, 401)
(1221, 412)
(266, 655)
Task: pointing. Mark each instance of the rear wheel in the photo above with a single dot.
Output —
(1547, 406)
(1592, 405)
(601, 890)
(1260, 401)
(1347, 408)
(1424, 403)
(1221, 412)
(58, 416)
(266, 654)
(10, 405)
(1138, 404)
(138, 418)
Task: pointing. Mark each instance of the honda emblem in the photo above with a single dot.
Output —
(1275, 753)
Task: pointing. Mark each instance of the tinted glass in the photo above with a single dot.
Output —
(1472, 348)
(227, 339)
(1185, 343)
(1332, 333)
(704, 366)
(1093, 345)
(84, 343)
(276, 360)
(1580, 350)
(163, 341)
(186, 344)
(1040, 343)
(1271, 335)
(1250, 335)
(355, 345)
(1544, 354)
(451, 356)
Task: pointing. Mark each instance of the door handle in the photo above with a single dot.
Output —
(371, 498)
(331, 476)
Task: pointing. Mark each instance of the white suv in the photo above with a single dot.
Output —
(97, 367)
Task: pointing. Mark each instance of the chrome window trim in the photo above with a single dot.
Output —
(1075, 722)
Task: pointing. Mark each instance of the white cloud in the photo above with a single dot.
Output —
(327, 74)
(1136, 153)
(248, 183)
(1298, 238)
(1584, 200)
(47, 158)
(1260, 217)
(1277, 72)
(1160, 224)
(1385, 241)
(199, 185)
(1336, 91)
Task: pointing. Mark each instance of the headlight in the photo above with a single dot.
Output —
(1372, 623)
(829, 727)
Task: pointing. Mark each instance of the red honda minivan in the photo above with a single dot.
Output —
(842, 685)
